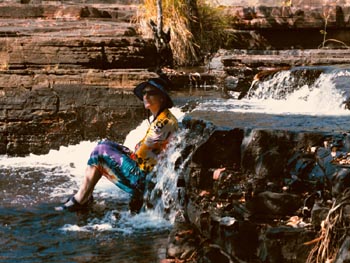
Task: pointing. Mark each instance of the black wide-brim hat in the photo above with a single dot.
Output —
(160, 84)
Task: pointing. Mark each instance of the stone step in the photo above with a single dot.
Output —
(299, 3)
(125, 79)
(289, 17)
(276, 58)
(75, 53)
(57, 10)
(72, 36)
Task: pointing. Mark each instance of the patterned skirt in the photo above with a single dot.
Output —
(114, 161)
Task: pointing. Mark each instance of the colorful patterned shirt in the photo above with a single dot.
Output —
(155, 140)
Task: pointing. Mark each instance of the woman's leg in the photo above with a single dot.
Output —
(80, 200)
(92, 176)
(112, 161)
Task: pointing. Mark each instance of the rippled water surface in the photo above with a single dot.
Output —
(37, 234)
(32, 231)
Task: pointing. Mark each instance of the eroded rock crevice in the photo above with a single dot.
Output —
(259, 195)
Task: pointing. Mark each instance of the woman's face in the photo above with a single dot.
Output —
(152, 99)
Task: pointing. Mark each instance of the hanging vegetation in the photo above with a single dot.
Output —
(195, 27)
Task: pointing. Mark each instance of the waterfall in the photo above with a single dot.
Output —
(165, 196)
(301, 90)
(316, 91)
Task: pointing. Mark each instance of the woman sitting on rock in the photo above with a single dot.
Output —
(127, 169)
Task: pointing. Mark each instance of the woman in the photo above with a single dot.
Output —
(125, 168)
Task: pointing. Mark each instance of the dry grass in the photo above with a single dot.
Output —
(332, 234)
(188, 47)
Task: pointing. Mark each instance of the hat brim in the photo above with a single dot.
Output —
(140, 87)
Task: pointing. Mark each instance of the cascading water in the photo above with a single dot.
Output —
(30, 229)
(287, 92)
(293, 92)
(305, 98)
(41, 182)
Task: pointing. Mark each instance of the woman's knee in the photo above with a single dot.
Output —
(92, 173)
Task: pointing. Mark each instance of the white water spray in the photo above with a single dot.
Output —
(70, 163)
(282, 95)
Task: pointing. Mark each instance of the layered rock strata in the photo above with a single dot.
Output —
(67, 73)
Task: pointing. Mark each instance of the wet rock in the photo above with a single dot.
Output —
(324, 159)
(224, 144)
(265, 152)
(183, 242)
(343, 255)
(231, 82)
(284, 244)
(213, 253)
(340, 181)
(269, 203)
(318, 214)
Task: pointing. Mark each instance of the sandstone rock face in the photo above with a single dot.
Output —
(278, 27)
(67, 73)
(46, 118)
(298, 3)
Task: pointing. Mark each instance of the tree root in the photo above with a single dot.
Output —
(332, 233)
